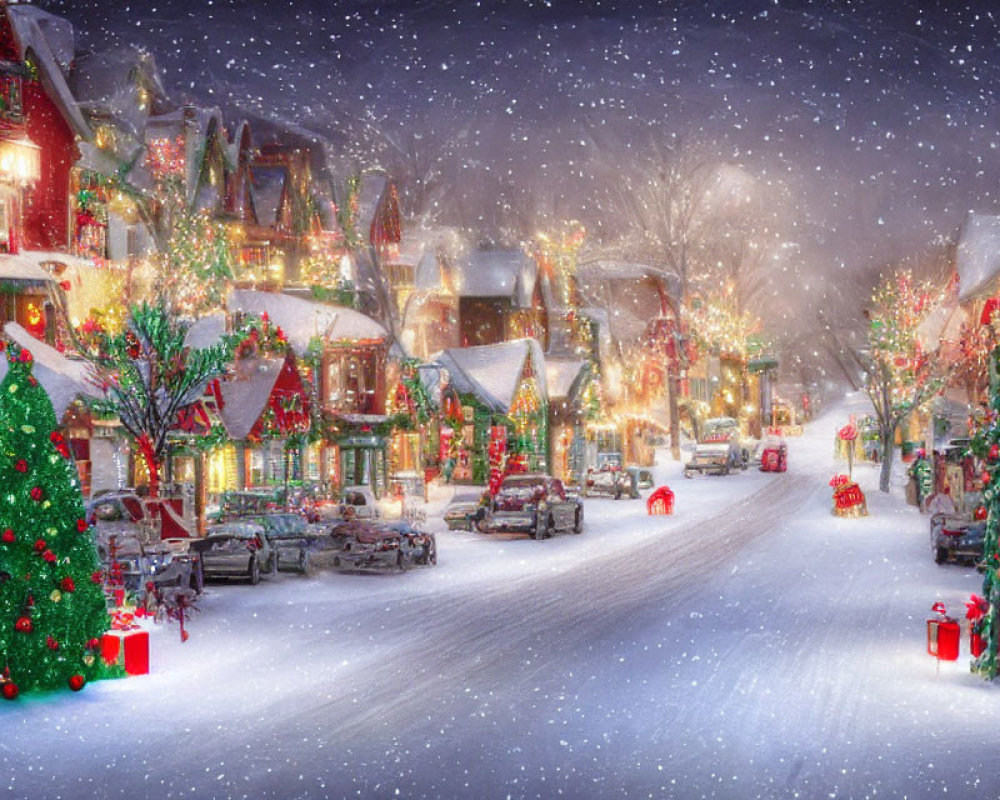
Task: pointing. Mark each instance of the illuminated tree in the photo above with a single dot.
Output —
(147, 374)
(900, 375)
(52, 606)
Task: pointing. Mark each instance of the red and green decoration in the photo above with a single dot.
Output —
(147, 374)
(409, 404)
(52, 606)
(986, 613)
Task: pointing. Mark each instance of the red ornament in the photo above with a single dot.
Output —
(37, 493)
(77, 682)
(10, 691)
(93, 644)
(23, 625)
(40, 545)
(7, 537)
(67, 584)
(25, 357)
(49, 556)
(980, 513)
(994, 453)
(985, 476)
(55, 436)
(81, 524)
(21, 465)
(51, 643)
(96, 576)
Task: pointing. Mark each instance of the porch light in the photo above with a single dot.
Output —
(20, 161)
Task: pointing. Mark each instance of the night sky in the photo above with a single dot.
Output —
(869, 127)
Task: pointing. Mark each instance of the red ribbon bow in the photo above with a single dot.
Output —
(976, 608)
(938, 608)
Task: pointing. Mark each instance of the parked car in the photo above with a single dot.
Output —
(237, 549)
(956, 538)
(617, 483)
(356, 502)
(124, 514)
(720, 429)
(374, 544)
(291, 538)
(466, 516)
(719, 458)
(535, 504)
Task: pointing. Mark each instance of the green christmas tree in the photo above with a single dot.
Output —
(52, 605)
(985, 612)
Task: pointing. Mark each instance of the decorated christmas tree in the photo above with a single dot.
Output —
(52, 606)
(984, 612)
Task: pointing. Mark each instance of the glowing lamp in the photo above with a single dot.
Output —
(20, 161)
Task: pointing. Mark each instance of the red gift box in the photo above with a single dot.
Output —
(129, 648)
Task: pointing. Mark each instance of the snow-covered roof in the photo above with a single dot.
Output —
(51, 40)
(26, 265)
(246, 393)
(63, 379)
(497, 273)
(561, 374)
(302, 320)
(978, 256)
(491, 372)
(206, 331)
(115, 82)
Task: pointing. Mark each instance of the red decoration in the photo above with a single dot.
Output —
(128, 648)
(25, 356)
(51, 643)
(23, 625)
(660, 502)
(67, 584)
(10, 691)
(849, 432)
(81, 525)
(7, 536)
(96, 576)
(37, 493)
(93, 644)
(943, 635)
(976, 608)
(40, 545)
(77, 682)
(985, 476)
(49, 556)
(989, 309)
(21, 465)
(980, 513)
(994, 453)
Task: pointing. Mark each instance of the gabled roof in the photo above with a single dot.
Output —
(51, 40)
(563, 376)
(492, 372)
(370, 195)
(498, 273)
(197, 125)
(302, 320)
(978, 256)
(247, 392)
(62, 378)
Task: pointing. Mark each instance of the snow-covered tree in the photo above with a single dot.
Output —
(147, 374)
(900, 374)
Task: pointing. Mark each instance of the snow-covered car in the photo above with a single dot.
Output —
(534, 504)
(356, 502)
(123, 514)
(957, 539)
(719, 458)
(465, 516)
(374, 544)
(292, 539)
(236, 550)
(616, 483)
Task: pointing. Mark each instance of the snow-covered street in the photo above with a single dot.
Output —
(751, 646)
